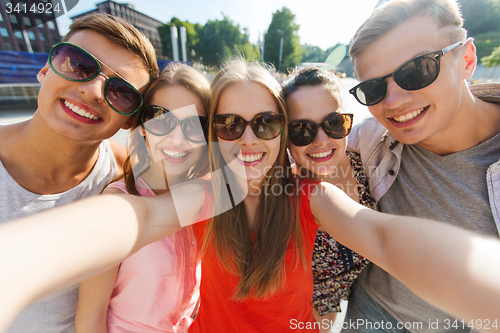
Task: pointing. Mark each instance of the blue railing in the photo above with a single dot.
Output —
(22, 67)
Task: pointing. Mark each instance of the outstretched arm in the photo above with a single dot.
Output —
(453, 269)
(45, 252)
(93, 302)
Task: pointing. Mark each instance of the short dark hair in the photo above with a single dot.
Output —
(446, 13)
(310, 77)
(122, 33)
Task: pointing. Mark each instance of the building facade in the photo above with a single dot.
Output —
(145, 24)
(27, 30)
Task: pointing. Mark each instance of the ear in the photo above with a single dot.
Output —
(470, 58)
(41, 74)
(142, 132)
(128, 123)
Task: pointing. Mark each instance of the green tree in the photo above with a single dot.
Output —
(313, 53)
(493, 59)
(222, 39)
(481, 16)
(283, 25)
(192, 39)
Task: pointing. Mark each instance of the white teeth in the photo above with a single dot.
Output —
(250, 158)
(175, 154)
(76, 109)
(408, 116)
(323, 154)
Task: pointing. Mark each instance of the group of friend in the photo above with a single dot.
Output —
(246, 205)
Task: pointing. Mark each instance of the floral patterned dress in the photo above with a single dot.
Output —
(335, 267)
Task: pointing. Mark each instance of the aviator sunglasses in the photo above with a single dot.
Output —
(414, 74)
(265, 125)
(73, 63)
(336, 126)
(159, 121)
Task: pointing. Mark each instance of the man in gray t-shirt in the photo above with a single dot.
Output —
(432, 151)
(61, 154)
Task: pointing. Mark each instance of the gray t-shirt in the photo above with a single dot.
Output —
(449, 188)
(54, 313)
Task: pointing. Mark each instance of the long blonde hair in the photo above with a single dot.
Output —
(138, 160)
(260, 263)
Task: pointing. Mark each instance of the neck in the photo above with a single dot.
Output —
(157, 179)
(44, 162)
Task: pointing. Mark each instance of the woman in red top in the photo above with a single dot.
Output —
(257, 253)
(256, 271)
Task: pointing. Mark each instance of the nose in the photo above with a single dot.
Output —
(176, 138)
(395, 96)
(321, 138)
(248, 138)
(93, 90)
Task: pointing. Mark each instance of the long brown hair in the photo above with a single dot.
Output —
(260, 263)
(138, 160)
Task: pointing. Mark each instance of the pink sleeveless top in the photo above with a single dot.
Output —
(157, 288)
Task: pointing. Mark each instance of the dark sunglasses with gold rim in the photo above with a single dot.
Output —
(265, 125)
(160, 122)
(336, 126)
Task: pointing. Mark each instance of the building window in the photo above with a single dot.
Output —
(42, 37)
(27, 21)
(38, 22)
(1, 17)
(18, 34)
(31, 35)
(13, 19)
(51, 25)
(4, 32)
(8, 46)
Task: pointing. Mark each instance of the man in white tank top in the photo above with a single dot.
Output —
(90, 87)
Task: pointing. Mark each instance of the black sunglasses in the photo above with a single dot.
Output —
(73, 63)
(414, 74)
(265, 125)
(336, 126)
(159, 121)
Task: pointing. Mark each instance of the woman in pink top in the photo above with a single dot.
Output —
(157, 288)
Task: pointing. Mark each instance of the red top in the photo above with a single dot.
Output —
(284, 311)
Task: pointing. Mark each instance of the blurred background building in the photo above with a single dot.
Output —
(144, 23)
(29, 31)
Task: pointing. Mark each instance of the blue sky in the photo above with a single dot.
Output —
(322, 22)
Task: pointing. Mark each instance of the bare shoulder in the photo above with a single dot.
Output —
(120, 153)
(112, 190)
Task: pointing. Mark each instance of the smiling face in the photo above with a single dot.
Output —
(429, 115)
(173, 150)
(61, 102)
(247, 99)
(314, 103)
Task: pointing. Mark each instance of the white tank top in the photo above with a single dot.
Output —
(54, 313)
